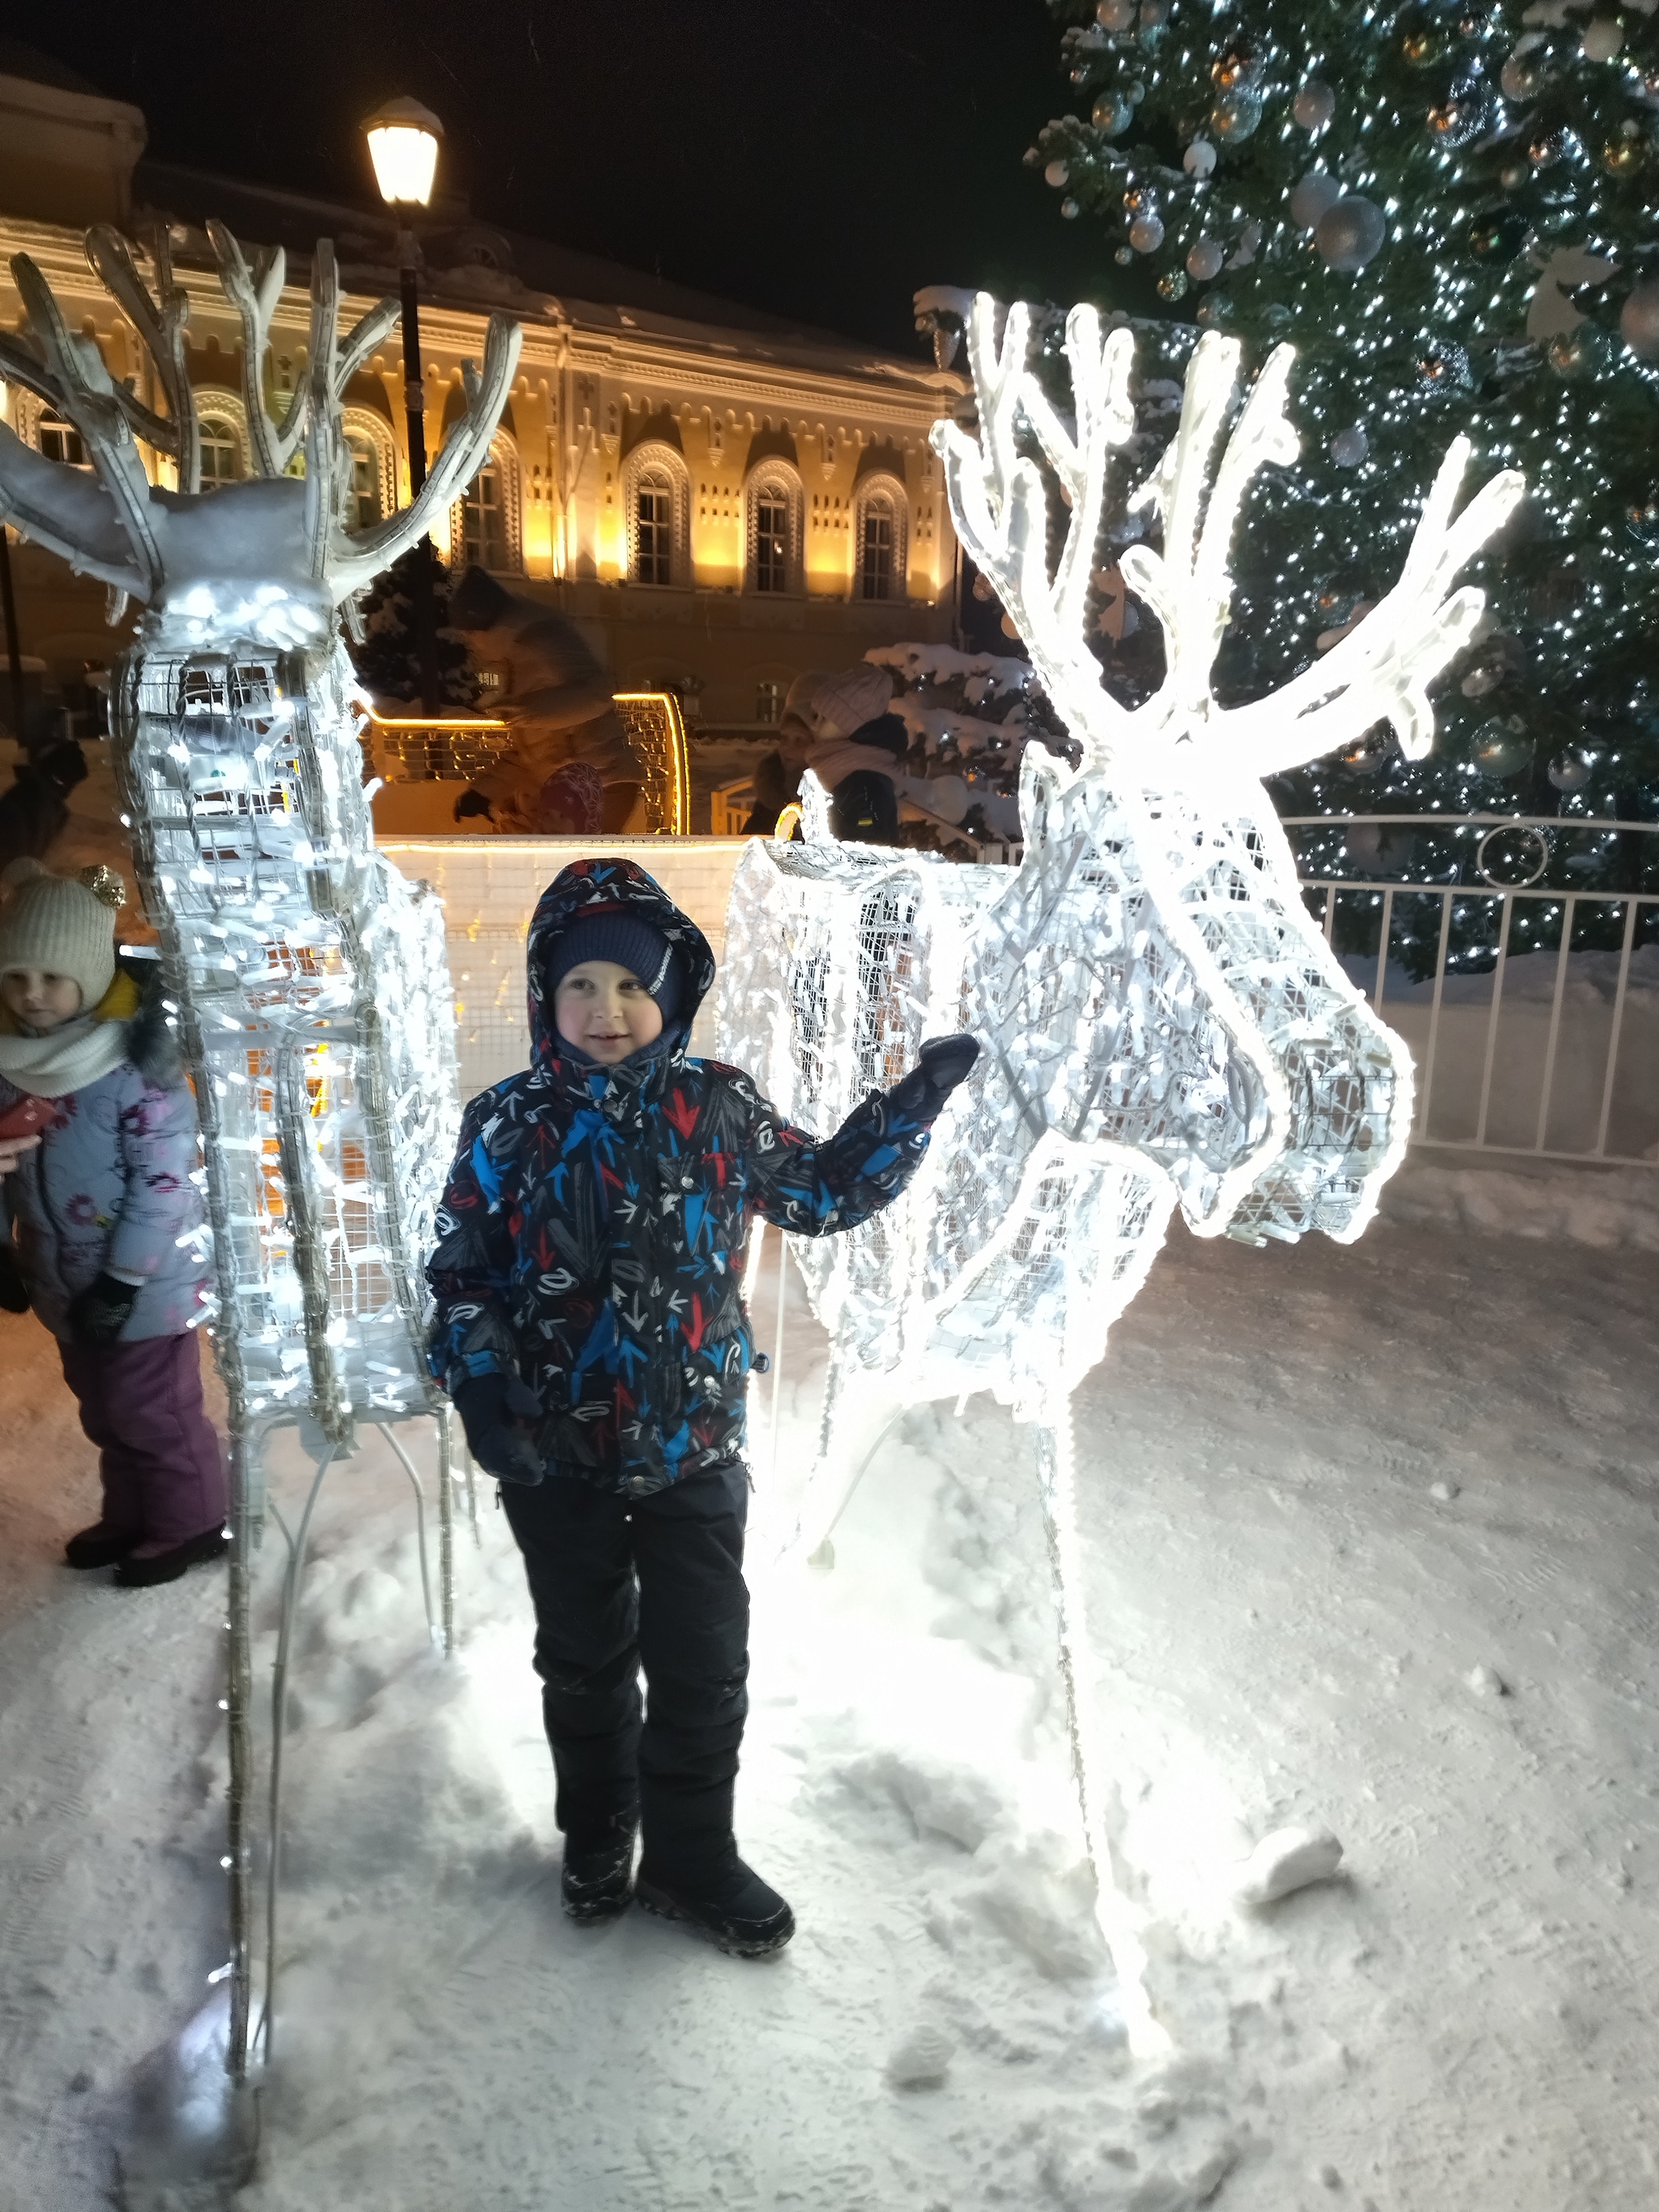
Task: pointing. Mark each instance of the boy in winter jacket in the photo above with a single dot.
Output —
(103, 1206)
(590, 1329)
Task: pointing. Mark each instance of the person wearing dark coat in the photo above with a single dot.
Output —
(589, 1328)
(35, 810)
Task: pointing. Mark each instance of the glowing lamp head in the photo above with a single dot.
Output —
(403, 145)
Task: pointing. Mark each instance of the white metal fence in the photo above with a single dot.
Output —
(1518, 955)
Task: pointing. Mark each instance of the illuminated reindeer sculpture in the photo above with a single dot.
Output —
(1163, 1022)
(310, 979)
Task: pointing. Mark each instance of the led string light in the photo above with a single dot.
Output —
(1162, 1022)
(1491, 140)
(309, 978)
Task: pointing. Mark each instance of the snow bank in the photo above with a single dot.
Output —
(1370, 1535)
(1613, 1209)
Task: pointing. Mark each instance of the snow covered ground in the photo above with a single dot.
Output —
(1372, 1542)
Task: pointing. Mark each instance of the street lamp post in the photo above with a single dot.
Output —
(403, 145)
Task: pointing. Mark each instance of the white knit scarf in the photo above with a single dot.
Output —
(65, 1059)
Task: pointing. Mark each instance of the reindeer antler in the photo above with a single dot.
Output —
(159, 324)
(254, 292)
(997, 494)
(102, 529)
(108, 525)
(1381, 670)
(355, 556)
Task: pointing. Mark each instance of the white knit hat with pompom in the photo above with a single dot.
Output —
(64, 925)
(836, 705)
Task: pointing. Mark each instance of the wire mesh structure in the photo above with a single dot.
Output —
(307, 976)
(318, 1020)
(1162, 1022)
(437, 749)
(655, 727)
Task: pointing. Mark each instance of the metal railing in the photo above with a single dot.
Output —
(1518, 955)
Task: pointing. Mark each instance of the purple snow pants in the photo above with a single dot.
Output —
(141, 1404)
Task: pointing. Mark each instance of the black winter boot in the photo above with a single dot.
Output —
(733, 1909)
(598, 1882)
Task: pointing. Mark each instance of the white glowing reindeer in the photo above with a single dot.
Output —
(1163, 1024)
(309, 977)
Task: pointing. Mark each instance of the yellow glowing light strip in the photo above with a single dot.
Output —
(435, 722)
(680, 764)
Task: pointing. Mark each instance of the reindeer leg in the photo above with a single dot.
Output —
(1114, 1914)
(859, 1410)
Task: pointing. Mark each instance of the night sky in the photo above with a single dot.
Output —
(817, 158)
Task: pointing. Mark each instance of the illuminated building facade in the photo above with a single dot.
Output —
(719, 500)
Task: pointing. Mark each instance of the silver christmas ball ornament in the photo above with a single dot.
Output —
(1314, 104)
(1351, 232)
(1198, 160)
(1523, 72)
(1570, 770)
(1603, 36)
(1316, 193)
(1502, 747)
(1548, 146)
(1584, 350)
(1349, 447)
(1115, 14)
(1070, 209)
(1639, 320)
(1204, 261)
(1058, 174)
(1235, 114)
(1145, 233)
(1486, 676)
(1112, 114)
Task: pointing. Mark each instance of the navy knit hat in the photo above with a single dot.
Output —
(613, 932)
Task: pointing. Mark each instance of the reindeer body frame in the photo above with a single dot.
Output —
(310, 979)
(1163, 1022)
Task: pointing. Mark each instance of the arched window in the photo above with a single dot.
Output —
(222, 433)
(657, 494)
(368, 495)
(221, 452)
(774, 511)
(59, 440)
(879, 546)
(484, 521)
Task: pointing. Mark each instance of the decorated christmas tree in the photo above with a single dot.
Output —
(388, 657)
(1451, 210)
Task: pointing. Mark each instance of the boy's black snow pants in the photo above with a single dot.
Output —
(620, 1583)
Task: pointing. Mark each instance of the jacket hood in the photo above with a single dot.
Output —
(577, 890)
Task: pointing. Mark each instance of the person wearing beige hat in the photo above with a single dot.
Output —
(837, 724)
(104, 1209)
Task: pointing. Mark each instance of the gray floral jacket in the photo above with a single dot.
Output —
(109, 1186)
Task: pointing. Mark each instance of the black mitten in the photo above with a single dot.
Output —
(944, 1063)
(13, 1290)
(102, 1310)
(495, 1411)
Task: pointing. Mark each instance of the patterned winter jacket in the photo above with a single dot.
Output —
(110, 1187)
(591, 1236)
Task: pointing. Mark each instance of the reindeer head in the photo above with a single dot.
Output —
(1180, 737)
(267, 561)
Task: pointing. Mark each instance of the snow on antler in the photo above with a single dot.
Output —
(1379, 672)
